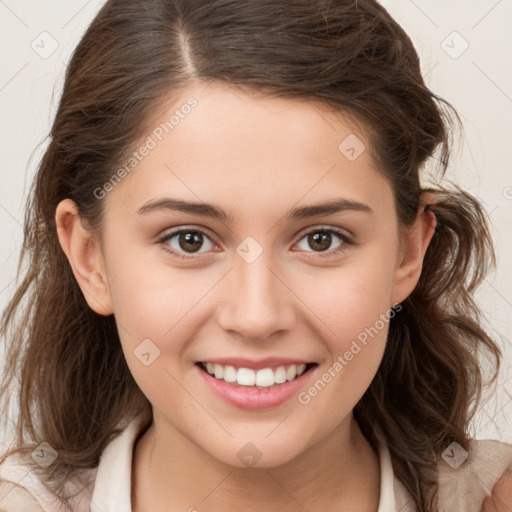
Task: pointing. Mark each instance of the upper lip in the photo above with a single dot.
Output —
(268, 362)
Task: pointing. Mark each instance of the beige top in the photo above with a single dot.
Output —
(107, 487)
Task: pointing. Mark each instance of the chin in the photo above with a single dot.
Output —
(261, 455)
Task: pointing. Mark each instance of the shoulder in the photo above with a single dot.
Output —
(466, 479)
(14, 498)
(22, 490)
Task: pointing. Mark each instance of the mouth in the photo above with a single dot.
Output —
(263, 378)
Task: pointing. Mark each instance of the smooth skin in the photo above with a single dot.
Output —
(501, 496)
(256, 158)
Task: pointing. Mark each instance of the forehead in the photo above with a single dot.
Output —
(250, 153)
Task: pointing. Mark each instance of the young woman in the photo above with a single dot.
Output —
(239, 295)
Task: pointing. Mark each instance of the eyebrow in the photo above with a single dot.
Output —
(328, 207)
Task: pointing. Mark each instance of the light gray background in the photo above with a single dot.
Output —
(477, 81)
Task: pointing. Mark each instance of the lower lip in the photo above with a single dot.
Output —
(246, 397)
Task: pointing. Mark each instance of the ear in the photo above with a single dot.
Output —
(414, 243)
(83, 251)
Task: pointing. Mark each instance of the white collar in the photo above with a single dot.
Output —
(112, 488)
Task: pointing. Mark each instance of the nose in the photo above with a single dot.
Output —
(258, 301)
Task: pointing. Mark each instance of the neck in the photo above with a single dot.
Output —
(341, 472)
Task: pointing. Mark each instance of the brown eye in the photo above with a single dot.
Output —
(183, 241)
(320, 240)
(190, 241)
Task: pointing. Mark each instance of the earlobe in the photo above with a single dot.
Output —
(415, 241)
(84, 255)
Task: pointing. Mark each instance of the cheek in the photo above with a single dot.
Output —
(351, 297)
(158, 309)
(353, 310)
(157, 301)
(152, 300)
(358, 319)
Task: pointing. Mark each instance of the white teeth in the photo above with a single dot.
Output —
(245, 377)
(280, 375)
(219, 371)
(229, 374)
(291, 373)
(265, 377)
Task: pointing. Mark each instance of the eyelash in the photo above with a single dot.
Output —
(347, 241)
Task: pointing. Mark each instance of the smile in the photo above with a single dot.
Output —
(262, 378)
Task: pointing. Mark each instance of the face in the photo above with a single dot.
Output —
(271, 283)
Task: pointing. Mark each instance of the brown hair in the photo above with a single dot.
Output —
(75, 386)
